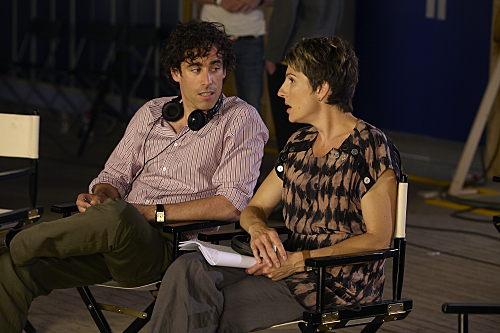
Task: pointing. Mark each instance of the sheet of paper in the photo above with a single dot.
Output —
(219, 255)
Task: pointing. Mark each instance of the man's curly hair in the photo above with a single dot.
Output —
(192, 40)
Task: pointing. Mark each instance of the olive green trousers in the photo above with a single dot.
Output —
(111, 240)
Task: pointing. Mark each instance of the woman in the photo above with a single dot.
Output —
(337, 180)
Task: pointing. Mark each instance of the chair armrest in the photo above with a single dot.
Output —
(221, 235)
(471, 308)
(21, 214)
(341, 260)
(216, 236)
(192, 225)
(66, 208)
(11, 174)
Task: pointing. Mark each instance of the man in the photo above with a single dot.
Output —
(244, 22)
(161, 167)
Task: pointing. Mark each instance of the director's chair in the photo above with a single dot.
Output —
(142, 317)
(19, 136)
(371, 315)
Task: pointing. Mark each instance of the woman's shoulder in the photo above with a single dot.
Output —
(307, 133)
(368, 135)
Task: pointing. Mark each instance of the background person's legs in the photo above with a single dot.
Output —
(249, 69)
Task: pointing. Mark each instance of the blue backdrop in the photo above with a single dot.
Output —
(422, 75)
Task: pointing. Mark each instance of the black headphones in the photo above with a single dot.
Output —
(173, 111)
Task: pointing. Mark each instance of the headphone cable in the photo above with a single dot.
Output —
(144, 162)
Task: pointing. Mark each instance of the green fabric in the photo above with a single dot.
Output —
(109, 241)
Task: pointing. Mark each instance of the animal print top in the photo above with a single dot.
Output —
(322, 206)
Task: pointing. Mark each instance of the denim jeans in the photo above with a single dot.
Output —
(249, 70)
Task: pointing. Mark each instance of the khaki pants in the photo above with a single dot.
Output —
(109, 241)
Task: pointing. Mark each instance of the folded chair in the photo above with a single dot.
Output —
(142, 316)
(371, 316)
(19, 144)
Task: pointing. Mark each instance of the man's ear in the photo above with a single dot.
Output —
(175, 74)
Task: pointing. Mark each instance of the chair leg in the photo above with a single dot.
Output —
(29, 328)
(463, 323)
(94, 309)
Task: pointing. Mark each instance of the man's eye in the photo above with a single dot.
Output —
(215, 69)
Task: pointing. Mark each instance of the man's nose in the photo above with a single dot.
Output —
(207, 78)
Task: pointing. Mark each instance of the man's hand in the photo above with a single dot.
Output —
(270, 67)
(248, 5)
(232, 6)
(85, 200)
(262, 240)
(292, 265)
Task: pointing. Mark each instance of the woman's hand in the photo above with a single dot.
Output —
(262, 240)
(293, 264)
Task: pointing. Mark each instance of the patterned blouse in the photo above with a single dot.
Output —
(322, 206)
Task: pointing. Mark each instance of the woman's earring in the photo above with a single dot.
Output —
(319, 99)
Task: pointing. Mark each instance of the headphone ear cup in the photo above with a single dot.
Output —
(172, 111)
(197, 120)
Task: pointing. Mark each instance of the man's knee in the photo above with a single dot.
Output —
(116, 212)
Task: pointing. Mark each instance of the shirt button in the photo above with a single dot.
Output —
(176, 144)
(164, 169)
(147, 201)
(337, 155)
(279, 168)
(366, 180)
(316, 186)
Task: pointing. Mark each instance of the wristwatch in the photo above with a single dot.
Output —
(160, 213)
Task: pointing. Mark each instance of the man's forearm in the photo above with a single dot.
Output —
(107, 190)
(214, 208)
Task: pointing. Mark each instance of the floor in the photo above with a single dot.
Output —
(448, 259)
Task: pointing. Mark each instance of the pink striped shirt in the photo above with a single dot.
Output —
(223, 158)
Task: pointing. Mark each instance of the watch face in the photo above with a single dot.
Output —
(160, 217)
(160, 213)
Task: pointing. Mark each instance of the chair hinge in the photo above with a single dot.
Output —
(396, 308)
(394, 311)
(33, 214)
(328, 321)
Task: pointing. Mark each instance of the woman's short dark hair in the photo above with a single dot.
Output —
(329, 59)
(192, 40)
